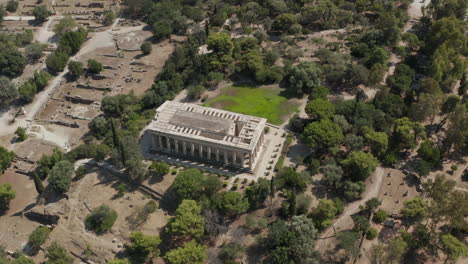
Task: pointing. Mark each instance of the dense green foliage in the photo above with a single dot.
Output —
(101, 219)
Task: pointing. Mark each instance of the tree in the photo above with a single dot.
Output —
(27, 91)
(406, 133)
(190, 252)
(453, 247)
(188, 222)
(323, 214)
(457, 131)
(3, 13)
(359, 165)
(284, 22)
(162, 30)
(414, 210)
(376, 254)
(76, 69)
(119, 261)
(287, 178)
(323, 134)
(8, 92)
(303, 78)
(332, 176)
(6, 195)
(12, 5)
(146, 48)
(143, 246)
(257, 193)
(66, 24)
(101, 219)
(22, 260)
(429, 152)
(40, 79)
(378, 142)
(349, 241)
(5, 159)
(57, 61)
(428, 106)
(70, 42)
(195, 91)
(109, 18)
(60, 176)
(94, 66)
(159, 168)
(380, 216)
(395, 250)
(361, 223)
(38, 237)
(353, 190)
(12, 61)
(34, 51)
(291, 242)
(57, 255)
(232, 203)
(320, 109)
(21, 134)
(188, 185)
(220, 44)
(41, 13)
(231, 252)
(372, 204)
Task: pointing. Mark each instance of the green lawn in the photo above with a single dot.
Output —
(255, 101)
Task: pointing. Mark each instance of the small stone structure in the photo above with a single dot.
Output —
(209, 134)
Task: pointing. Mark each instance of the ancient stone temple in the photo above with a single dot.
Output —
(212, 135)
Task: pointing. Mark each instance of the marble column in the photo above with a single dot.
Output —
(201, 151)
(209, 153)
(242, 157)
(251, 160)
(193, 149)
(184, 148)
(160, 142)
(168, 144)
(234, 158)
(217, 154)
(225, 157)
(176, 143)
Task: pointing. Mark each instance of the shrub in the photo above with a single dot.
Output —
(27, 91)
(38, 237)
(146, 48)
(380, 216)
(371, 233)
(57, 61)
(101, 219)
(21, 134)
(80, 172)
(109, 18)
(94, 66)
(143, 246)
(34, 51)
(6, 195)
(11, 6)
(121, 189)
(60, 176)
(76, 69)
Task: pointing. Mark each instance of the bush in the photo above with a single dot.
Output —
(94, 66)
(146, 48)
(21, 134)
(57, 61)
(7, 193)
(371, 233)
(41, 13)
(34, 51)
(27, 91)
(109, 18)
(8, 91)
(60, 176)
(379, 217)
(76, 69)
(38, 237)
(143, 246)
(80, 172)
(195, 92)
(11, 6)
(122, 188)
(101, 219)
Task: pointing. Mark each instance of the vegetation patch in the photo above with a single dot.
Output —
(255, 101)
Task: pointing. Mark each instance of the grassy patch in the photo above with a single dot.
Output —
(255, 101)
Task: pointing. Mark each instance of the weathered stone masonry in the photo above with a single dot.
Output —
(210, 134)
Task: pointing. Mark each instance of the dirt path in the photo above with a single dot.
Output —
(414, 13)
(372, 191)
